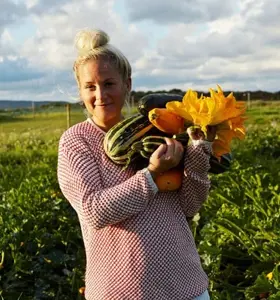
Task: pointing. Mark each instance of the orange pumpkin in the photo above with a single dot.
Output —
(170, 180)
(166, 120)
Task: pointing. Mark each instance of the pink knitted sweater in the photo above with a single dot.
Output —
(137, 240)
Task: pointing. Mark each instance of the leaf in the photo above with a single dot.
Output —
(261, 285)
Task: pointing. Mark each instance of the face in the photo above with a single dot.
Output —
(103, 91)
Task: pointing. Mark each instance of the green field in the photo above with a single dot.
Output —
(237, 231)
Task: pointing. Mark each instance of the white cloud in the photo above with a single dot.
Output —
(192, 44)
(6, 43)
(11, 12)
(6, 37)
(55, 34)
(16, 69)
(191, 11)
(237, 51)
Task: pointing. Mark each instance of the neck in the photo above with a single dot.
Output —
(109, 124)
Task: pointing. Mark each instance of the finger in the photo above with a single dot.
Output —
(201, 135)
(159, 152)
(195, 133)
(170, 148)
(192, 133)
(179, 150)
(189, 130)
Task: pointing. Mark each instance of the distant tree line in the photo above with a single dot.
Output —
(254, 95)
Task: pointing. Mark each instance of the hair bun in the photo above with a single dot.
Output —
(88, 40)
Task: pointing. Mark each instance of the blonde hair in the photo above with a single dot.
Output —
(93, 44)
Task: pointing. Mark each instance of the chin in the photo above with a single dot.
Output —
(110, 118)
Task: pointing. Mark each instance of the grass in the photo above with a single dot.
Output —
(44, 125)
(261, 112)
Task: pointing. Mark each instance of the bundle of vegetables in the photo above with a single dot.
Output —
(121, 141)
(167, 115)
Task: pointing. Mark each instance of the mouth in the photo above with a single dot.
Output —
(103, 104)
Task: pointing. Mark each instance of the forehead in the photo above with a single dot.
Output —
(98, 70)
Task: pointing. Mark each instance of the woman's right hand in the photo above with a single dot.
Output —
(165, 157)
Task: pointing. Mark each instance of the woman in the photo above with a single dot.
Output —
(138, 243)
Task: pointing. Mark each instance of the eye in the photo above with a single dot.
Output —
(90, 86)
(109, 83)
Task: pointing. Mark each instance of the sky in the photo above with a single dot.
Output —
(182, 44)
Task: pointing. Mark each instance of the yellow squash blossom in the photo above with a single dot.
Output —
(226, 131)
(269, 276)
(217, 109)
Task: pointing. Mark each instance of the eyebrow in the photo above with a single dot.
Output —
(111, 78)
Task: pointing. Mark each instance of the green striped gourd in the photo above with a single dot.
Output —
(148, 144)
(119, 139)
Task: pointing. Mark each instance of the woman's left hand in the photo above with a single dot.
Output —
(195, 133)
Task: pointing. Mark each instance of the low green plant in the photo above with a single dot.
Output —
(41, 249)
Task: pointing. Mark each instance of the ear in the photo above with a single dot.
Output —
(128, 84)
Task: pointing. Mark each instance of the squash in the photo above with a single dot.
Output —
(170, 180)
(218, 166)
(118, 140)
(148, 144)
(166, 121)
(157, 100)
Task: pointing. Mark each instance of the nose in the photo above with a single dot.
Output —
(100, 94)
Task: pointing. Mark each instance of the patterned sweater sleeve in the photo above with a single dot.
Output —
(196, 184)
(80, 182)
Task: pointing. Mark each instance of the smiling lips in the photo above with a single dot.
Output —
(103, 104)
